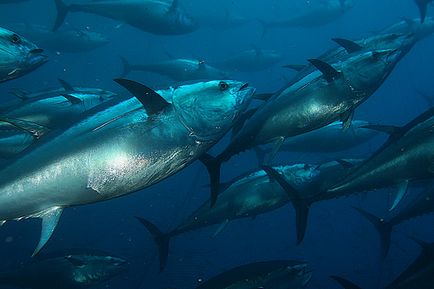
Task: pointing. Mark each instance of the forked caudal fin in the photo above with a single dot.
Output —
(301, 206)
(162, 241)
(50, 219)
(62, 11)
(383, 228)
(345, 283)
(423, 7)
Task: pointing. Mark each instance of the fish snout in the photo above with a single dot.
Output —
(36, 57)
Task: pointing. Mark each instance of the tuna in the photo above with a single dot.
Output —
(283, 274)
(64, 40)
(123, 146)
(70, 270)
(328, 94)
(153, 16)
(247, 196)
(177, 69)
(423, 205)
(407, 156)
(417, 275)
(18, 56)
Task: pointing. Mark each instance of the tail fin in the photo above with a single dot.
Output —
(345, 283)
(162, 240)
(301, 206)
(62, 11)
(126, 67)
(423, 7)
(383, 228)
(213, 165)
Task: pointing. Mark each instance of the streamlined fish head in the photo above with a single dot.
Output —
(17, 55)
(210, 109)
(368, 70)
(94, 269)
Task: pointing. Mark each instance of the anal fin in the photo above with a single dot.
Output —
(221, 228)
(402, 190)
(50, 219)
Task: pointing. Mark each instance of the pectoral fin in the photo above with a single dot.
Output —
(50, 219)
(276, 148)
(301, 206)
(402, 190)
(221, 228)
(347, 119)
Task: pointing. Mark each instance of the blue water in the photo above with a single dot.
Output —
(338, 240)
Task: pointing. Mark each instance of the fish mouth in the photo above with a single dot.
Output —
(36, 57)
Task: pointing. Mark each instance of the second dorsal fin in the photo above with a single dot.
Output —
(348, 45)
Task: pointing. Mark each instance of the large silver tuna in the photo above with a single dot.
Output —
(121, 149)
(18, 56)
(328, 94)
(153, 16)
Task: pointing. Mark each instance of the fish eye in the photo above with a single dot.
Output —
(15, 39)
(223, 86)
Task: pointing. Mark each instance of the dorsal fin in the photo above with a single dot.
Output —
(151, 101)
(348, 45)
(68, 87)
(72, 99)
(330, 74)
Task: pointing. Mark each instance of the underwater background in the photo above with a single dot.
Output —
(338, 239)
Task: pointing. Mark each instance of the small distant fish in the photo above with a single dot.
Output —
(329, 139)
(251, 60)
(322, 13)
(269, 274)
(63, 40)
(67, 270)
(18, 56)
(154, 16)
(177, 69)
(407, 25)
